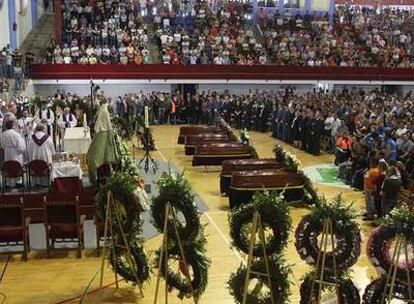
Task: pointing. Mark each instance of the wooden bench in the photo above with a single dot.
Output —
(245, 183)
(229, 166)
(192, 130)
(192, 141)
(215, 153)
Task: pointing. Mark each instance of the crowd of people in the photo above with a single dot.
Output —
(107, 32)
(224, 33)
(370, 132)
(219, 35)
(14, 65)
(360, 36)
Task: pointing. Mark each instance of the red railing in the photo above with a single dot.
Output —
(269, 72)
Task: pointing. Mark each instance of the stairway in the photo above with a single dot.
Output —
(39, 37)
(153, 48)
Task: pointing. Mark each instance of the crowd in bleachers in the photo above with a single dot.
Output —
(220, 35)
(108, 32)
(119, 32)
(359, 37)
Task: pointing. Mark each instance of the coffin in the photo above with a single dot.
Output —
(229, 166)
(192, 141)
(215, 153)
(192, 130)
(245, 183)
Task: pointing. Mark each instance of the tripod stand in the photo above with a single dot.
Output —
(147, 158)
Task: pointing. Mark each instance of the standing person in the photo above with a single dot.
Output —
(40, 146)
(14, 148)
(343, 148)
(379, 181)
(369, 187)
(302, 130)
(67, 120)
(26, 125)
(47, 117)
(8, 62)
(18, 76)
(390, 190)
(294, 129)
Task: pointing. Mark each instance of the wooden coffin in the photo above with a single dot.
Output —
(269, 179)
(215, 153)
(192, 141)
(192, 130)
(229, 166)
(245, 183)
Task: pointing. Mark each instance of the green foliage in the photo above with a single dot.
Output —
(336, 210)
(124, 127)
(403, 219)
(291, 162)
(176, 190)
(279, 277)
(195, 254)
(36, 101)
(171, 183)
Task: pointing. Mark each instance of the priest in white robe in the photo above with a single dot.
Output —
(46, 116)
(14, 147)
(40, 146)
(67, 120)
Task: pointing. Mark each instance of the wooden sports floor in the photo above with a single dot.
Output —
(63, 277)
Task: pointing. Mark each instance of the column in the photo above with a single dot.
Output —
(33, 8)
(12, 22)
(331, 12)
(308, 6)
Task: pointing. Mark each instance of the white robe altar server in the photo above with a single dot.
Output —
(40, 146)
(14, 147)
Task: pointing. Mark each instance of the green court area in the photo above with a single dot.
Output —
(328, 175)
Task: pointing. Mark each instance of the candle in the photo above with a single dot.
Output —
(146, 117)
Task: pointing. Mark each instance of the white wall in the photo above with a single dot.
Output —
(24, 21)
(320, 5)
(4, 24)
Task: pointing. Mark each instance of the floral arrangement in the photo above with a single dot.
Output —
(294, 164)
(347, 292)
(399, 224)
(244, 137)
(175, 189)
(279, 278)
(345, 228)
(347, 249)
(375, 290)
(274, 213)
(122, 186)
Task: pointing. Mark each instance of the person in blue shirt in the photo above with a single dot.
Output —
(390, 147)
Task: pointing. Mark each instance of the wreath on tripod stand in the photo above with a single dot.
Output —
(176, 192)
(279, 279)
(122, 186)
(274, 213)
(347, 292)
(272, 281)
(398, 228)
(345, 228)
